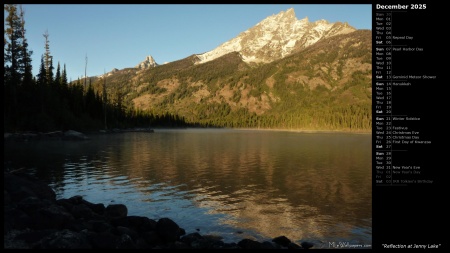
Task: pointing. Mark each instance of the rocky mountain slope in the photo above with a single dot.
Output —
(281, 73)
(276, 37)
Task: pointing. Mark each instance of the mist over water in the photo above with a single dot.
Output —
(237, 184)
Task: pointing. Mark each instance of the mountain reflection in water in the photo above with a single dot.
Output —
(232, 183)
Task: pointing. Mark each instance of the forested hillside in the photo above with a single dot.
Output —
(325, 86)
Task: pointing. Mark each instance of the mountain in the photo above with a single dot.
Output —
(114, 70)
(276, 37)
(281, 73)
(149, 62)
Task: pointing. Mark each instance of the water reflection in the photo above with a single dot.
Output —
(263, 184)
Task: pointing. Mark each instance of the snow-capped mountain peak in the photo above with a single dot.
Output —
(275, 37)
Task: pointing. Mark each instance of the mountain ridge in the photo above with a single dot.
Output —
(322, 82)
(291, 35)
(276, 36)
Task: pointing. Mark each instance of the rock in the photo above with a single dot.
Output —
(152, 238)
(31, 204)
(141, 244)
(34, 219)
(141, 224)
(34, 237)
(307, 245)
(281, 240)
(96, 208)
(16, 219)
(177, 245)
(267, 245)
(189, 238)
(74, 135)
(115, 211)
(168, 230)
(20, 186)
(52, 216)
(126, 231)
(10, 240)
(149, 62)
(125, 242)
(81, 211)
(100, 226)
(76, 199)
(293, 246)
(65, 239)
(202, 243)
(249, 244)
(103, 240)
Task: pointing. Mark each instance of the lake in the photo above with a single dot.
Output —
(236, 184)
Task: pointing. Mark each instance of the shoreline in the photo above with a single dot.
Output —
(303, 130)
(35, 219)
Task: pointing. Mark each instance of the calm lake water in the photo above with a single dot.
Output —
(237, 184)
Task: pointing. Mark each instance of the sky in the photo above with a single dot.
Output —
(121, 36)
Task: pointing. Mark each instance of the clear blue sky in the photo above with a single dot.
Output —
(121, 36)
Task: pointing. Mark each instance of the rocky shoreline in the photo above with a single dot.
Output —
(35, 219)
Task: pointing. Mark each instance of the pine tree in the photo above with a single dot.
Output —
(47, 57)
(90, 100)
(17, 63)
(25, 61)
(42, 75)
(12, 45)
(63, 81)
(85, 69)
(42, 83)
(49, 71)
(105, 100)
(58, 75)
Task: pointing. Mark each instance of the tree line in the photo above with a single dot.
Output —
(48, 102)
(329, 96)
